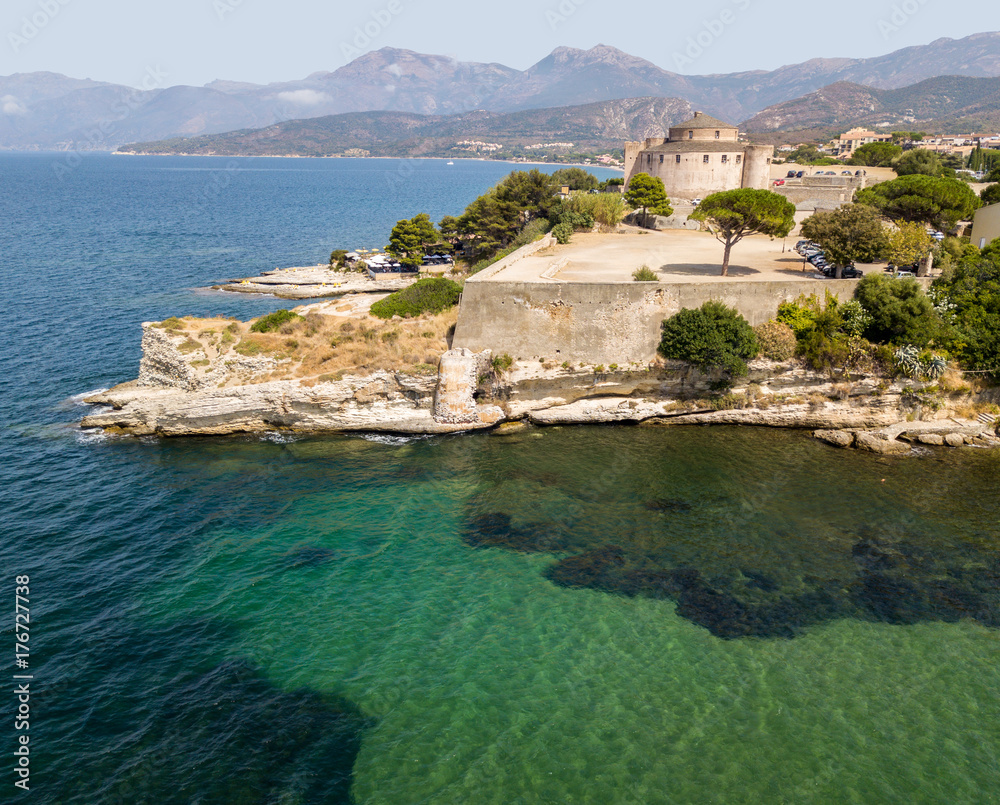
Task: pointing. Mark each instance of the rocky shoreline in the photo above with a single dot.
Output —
(312, 282)
(235, 395)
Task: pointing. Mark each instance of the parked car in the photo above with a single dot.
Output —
(901, 274)
(696, 201)
(938, 236)
(790, 175)
(800, 174)
(852, 273)
(778, 182)
(846, 173)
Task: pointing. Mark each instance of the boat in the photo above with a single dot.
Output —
(451, 163)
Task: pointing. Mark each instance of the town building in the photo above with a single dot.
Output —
(986, 225)
(699, 157)
(850, 141)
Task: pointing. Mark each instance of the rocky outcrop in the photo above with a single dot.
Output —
(232, 394)
(380, 402)
(898, 439)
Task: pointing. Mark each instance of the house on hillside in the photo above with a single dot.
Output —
(701, 156)
(986, 225)
(850, 141)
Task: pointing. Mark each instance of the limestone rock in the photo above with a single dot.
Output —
(954, 439)
(838, 438)
(934, 439)
(877, 443)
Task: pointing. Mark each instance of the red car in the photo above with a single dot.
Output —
(779, 182)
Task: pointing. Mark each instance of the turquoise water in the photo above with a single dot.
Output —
(665, 615)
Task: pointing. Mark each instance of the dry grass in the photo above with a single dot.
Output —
(319, 348)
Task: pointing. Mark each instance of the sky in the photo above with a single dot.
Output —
(262, 41)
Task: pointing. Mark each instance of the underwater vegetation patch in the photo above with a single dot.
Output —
(882, 580)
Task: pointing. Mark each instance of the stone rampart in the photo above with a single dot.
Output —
(606, 323)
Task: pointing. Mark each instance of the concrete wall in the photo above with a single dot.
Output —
(605, 323)
(986, 226)
(757, 167)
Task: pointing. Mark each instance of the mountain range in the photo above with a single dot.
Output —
(46, 110)
(588, 128)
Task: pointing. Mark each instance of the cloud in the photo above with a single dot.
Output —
(304, 97)
(12, 107)
(395, 69)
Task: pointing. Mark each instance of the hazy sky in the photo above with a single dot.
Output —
(196, 41)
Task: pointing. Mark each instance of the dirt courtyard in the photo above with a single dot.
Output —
(674, 255)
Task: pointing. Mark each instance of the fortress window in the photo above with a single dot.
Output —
(677, 159)
(716, 135)
(690, 135)
(739, 158)
(725, 158)
(661, 159)
(705, 159)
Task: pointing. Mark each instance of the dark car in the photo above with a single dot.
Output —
(852, 273)
(800, 174)
(819, 257)
(846, 173)
(790, 175)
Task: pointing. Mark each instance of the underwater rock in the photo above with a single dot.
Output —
(308, 556)
(672, 505)
(495, 530)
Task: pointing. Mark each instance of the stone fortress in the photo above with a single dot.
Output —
(701, 156)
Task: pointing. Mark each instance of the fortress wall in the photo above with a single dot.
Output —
(605, 323)
(692, 177)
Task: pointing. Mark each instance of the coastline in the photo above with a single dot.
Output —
(182, 391)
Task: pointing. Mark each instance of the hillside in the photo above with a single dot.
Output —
(949, 104)
(591, 127)
(45, 110)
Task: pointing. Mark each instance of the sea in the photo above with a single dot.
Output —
(564, 615)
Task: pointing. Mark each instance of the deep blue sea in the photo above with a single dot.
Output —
(565, 615)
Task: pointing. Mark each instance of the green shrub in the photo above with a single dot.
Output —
(712, 336)
(645, 274)
(424, 296)
(502, 364)
(901, 313)
(273, 321)
(338, 258)
(562, 232)
(173, 323)
(799, 316)
(777, 340)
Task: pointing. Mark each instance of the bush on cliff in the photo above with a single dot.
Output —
(424, 296)
(777, 340)
(710, 337)
(273, 321)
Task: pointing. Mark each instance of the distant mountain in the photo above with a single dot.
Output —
(950, 104)
(599, 126)
(45, 110)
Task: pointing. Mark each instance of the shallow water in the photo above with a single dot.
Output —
(287, 619)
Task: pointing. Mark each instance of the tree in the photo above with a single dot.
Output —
(983, 159)
(908, 136)
(991, 195)
(921, 161)
(901, 312)
(994, 175)
(973, 289)
(575, 179)
(493, 221)
(734, 214)
(909, 243)
(649, 193)
(942, 203)
(711, 337)
(876, 155)
(852, 233)
(409, 240)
